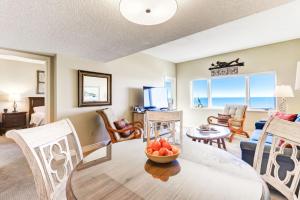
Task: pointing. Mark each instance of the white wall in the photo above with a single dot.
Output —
(18, 77)
(281, 57)
(129, 75)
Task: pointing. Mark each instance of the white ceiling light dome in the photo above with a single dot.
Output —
(148, 12)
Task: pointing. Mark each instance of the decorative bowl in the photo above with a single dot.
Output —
(162, 159)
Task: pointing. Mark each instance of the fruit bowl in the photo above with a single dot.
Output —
(162, 159)
(161, 151)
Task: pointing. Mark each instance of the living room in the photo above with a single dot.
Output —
(199, 62)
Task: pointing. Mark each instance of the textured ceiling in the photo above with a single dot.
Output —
(274, 25)
(95, 29)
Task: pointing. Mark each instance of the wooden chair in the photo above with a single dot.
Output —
(236, 121)
(108, 118)
(52, 152)
(153, 117)
(284, 134)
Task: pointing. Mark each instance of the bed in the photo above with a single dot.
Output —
(37, 112)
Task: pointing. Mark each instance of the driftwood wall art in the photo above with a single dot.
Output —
(225, 68)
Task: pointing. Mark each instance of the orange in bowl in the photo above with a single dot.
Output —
(166, 153)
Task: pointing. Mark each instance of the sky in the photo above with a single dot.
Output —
(228, 87)
(261, 85)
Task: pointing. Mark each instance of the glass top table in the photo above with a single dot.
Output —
(211, 137)
(200, 172)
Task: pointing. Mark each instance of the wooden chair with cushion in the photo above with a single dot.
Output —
(285, 143)
(131, 131)
(52, 152)
(233, 117)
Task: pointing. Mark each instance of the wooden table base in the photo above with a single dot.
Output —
(220, 142)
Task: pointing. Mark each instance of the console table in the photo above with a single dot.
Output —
(140, 117)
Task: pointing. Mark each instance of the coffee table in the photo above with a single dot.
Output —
(210, 137)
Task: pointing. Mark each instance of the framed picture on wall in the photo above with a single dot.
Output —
(40, 89)
(94, 89)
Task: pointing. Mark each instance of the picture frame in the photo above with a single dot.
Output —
(94, 89)
(41, 82)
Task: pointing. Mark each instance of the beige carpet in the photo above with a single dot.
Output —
(16, 181)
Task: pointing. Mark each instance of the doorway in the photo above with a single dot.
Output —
(26, 98)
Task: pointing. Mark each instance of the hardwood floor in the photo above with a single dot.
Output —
(16, 181)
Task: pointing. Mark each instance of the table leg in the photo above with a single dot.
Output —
(223, 143)
(210, 142)
(219, 143)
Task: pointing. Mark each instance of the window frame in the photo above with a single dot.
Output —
(173, 88)
(208, 92)
(275, 78)
(247, 90)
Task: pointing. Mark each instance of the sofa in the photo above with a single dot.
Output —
(248, 150)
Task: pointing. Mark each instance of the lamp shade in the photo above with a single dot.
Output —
(148, 12)
(14, 97)
(284, 91)
(297, 84)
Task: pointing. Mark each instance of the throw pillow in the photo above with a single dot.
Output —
(120, 124)
(123, 124)
(288, 117)
(282, 141)
(223, 119)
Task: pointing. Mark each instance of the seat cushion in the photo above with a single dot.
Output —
(236, 111)
(256, 134)
(110, 116)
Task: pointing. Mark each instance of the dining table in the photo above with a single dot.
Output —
(200, 172)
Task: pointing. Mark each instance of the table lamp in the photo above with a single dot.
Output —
(15, 97)
(297, 84)
(283, 92)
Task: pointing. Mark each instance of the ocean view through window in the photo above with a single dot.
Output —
(262, 90)
(254, 90)
(228, 90)
(200, 93)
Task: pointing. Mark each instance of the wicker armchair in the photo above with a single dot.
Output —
(115, 135)
(236, 121)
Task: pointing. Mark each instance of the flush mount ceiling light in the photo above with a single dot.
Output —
(148, 12)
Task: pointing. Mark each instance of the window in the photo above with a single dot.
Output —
(228, 90)
(262, 89)
(255, 90)
(200, 93)
(170, 84)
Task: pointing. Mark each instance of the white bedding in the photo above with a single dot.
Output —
(38, 118)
